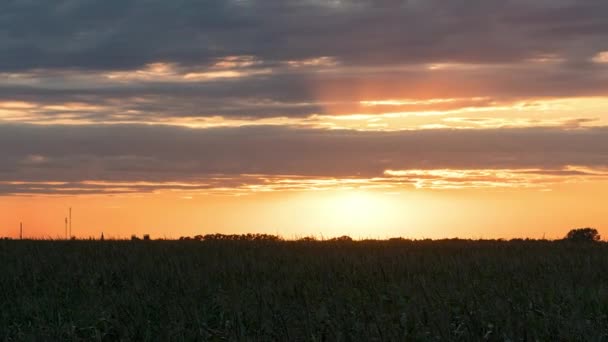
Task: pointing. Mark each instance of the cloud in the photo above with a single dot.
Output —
(140, 60)
(601, 57)
(93, 75)
(221, 156)
(159, 95)
(112, 34)
(493, 178)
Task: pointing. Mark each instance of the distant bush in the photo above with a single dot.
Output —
(398, 239)
(232, 237)
(583, 235)
(307, 239)
(343, 238)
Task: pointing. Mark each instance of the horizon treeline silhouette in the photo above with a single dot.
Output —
(574, 235)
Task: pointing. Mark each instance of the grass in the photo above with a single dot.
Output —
(308, 291)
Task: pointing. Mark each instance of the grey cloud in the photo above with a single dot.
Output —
(57, 52)
(126, 34)
(166, 153)
(299, 94)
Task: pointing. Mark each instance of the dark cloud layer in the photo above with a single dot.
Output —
(151, 61)
(126, 34)
(288, 93)
(53, 52)
(165, 153)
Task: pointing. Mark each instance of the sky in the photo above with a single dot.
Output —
(368, 118)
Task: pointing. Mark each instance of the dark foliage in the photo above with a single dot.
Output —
(307, 239)
(583, 235)
(453, 290)
(343, 238)
(232, 237)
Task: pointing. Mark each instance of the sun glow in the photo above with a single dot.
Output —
(356, 211)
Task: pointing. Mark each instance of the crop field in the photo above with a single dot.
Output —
(303, 291)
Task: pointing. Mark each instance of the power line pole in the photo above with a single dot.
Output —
(66, 228)
(20, 230)
(70, 235)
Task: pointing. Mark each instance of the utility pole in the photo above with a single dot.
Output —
(20, 230)
(70, 234)
(66, 228)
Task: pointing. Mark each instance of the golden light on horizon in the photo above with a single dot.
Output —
(414, 213)
(357, 211)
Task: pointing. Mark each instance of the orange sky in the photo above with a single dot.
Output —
(412, 213)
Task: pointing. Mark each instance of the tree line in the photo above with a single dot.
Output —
(574, 235)
(254, 237)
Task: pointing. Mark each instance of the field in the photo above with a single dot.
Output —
(308, 291)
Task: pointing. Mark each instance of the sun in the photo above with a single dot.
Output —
(357, 211)
(356, 203)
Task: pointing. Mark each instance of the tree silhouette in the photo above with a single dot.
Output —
(343, 238)
(240, 237)
(583, 235)
(307, 239)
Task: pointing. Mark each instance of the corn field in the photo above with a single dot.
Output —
(303, 291)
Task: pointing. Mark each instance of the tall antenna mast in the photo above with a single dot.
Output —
(70, 234)
(66, 228)
(20, 230)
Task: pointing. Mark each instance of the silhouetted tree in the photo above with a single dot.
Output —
(343, 238)
(240, 237)
(134, 238)
(146, 237)
(212, 237)
(307, 239)
(583, 235)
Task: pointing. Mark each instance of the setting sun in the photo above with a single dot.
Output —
(357, 212)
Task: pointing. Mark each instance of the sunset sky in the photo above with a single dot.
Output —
(368, 118)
